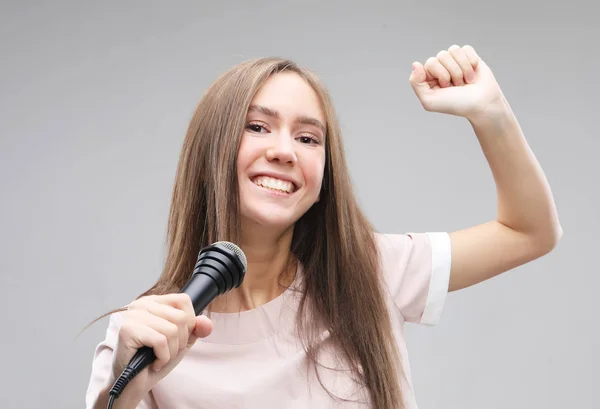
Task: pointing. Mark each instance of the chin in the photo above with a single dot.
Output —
(266, 219)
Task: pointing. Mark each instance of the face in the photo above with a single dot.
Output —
(282, 153)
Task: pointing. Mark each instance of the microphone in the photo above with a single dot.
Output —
(220, 267)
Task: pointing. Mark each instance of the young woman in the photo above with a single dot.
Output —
(318, 320)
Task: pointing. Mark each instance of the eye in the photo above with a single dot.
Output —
(308, 139)
(254, 127)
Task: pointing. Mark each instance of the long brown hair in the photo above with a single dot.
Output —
(334, 241)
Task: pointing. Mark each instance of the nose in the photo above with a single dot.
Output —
(282, 149)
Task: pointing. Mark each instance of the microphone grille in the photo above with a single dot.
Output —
(238, 251)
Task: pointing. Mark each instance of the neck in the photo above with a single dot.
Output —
(271, 269)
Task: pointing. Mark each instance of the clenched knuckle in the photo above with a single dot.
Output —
(185, 299)
(162, 342)
(135, 304)
(181, 318)
(125, 332)
(170, 331)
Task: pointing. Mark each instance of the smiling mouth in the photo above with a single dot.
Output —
(276, 185)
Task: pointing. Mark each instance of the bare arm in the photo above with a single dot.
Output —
(526, 226)
(458, 82)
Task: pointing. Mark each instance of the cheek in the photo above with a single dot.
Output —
(244, 156)
(240, 166)
(314, 173)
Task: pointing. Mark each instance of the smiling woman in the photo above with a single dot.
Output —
(318, 320)
(281, 158)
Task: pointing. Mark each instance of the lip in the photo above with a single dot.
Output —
(276, 175)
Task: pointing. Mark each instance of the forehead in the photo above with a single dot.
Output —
(289, 94)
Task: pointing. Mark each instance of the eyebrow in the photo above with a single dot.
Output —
(307, 120)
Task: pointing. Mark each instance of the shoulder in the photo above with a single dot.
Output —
(427, 247)
(415, 267)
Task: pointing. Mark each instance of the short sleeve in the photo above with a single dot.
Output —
(101, 365)
(416, 269)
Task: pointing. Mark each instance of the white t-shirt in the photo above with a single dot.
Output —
(253, 359)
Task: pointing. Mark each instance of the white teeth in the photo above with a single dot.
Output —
(275, 184)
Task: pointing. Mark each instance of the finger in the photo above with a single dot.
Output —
(420, 80)
(418, 74)
(181, 319)
(135, 335)
(203, 327)
(452, 66)
(435, 68)
(180, 301)
(183, 302)
(460, 56)
(164, 327)
(471, 55)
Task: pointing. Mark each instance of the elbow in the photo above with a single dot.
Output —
(546, 241)
(555, 235)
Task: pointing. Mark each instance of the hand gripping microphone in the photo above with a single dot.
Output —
(220, 267)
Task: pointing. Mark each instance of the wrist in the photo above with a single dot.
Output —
(492, 115)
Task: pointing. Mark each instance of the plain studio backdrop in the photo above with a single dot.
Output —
(95, 98)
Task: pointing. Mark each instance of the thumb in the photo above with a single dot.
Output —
(202, 329)
(418, 78)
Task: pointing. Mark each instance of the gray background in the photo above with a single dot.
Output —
(95, 98)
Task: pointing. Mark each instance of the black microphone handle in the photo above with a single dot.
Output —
(202, 288)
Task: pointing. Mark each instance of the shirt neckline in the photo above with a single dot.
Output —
(258, 323)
